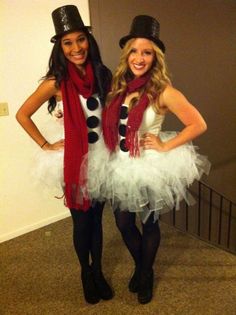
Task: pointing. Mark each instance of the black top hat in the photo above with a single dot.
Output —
(66, 19)
(144, 26)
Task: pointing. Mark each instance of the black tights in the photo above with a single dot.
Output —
(143, 247)
(87, 235)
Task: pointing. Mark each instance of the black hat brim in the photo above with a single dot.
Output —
(56, 37)
(158, 42)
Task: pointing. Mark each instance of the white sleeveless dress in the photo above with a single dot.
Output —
(48, 165)
(155, 181)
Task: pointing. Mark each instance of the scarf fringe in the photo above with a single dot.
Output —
(132, 143)
(75, 198)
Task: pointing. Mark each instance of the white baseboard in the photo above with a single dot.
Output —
(35, 226)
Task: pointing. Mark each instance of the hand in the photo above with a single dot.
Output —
(151, 142)
(59, 114)
(59, 145)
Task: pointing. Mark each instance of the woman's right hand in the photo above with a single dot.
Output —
(59, 145)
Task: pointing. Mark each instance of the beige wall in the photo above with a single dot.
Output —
(201, 54)
(25, 31)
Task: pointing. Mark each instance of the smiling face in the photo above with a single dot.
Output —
(75, 48)
(141, 56)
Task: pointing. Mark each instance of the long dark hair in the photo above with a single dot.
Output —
(58, 69)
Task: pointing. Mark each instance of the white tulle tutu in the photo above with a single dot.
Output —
(47, 168)
(94, 170)
(152, 182)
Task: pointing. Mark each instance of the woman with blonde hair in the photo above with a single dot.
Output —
(149, 171)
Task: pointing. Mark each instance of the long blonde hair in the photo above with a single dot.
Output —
(160, 77)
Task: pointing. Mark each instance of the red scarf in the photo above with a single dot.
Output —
(111, 117)
(76, 133)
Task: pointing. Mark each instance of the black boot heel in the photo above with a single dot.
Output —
(145, 287)
(91, 293)
(102, 286)
(134, 281)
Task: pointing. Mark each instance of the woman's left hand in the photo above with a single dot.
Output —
(150, 141)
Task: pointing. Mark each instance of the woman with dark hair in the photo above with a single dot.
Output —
(75, 87)
(149, 171)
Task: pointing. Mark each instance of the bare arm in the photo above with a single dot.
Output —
(45, 90)
(175, 102)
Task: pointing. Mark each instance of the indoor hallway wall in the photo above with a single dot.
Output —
(25, 31)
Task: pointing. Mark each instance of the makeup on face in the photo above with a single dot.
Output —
(141, 56)
(75, 47)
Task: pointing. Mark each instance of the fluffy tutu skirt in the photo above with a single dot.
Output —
(47, 168)
(155, 181)
(93, 171)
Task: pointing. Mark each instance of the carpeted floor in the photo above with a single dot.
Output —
(39, 274)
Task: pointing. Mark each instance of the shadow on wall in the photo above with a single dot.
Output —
(227, 161)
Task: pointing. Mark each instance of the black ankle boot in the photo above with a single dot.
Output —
(134, 281)
(145, 287)
(91, 293)
(102, 286)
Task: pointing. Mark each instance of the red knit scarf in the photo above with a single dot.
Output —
(76, 133)
(111, 117)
